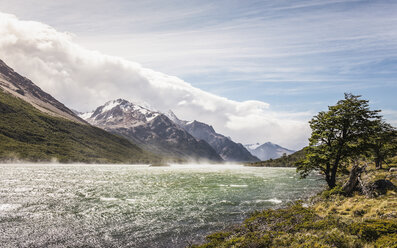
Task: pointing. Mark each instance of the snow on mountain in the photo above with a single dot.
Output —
(224, 146)
(267, 150)
(150, 129)
(252, 146)
(119, 113)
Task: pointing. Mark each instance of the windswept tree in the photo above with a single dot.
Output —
(383, 142)
(338, 135)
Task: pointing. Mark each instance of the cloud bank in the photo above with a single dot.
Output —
(84, 79)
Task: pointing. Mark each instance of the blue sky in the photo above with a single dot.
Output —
(297, 56)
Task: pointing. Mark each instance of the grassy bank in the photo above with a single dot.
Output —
(327, 220)
(29, 135)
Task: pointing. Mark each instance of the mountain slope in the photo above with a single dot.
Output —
(23, 88)
(283, 161)
(224, 146)
(29, 134)
(268, 150)
(150, 129)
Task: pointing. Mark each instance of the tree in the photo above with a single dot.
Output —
(383, 142)
(338, 135)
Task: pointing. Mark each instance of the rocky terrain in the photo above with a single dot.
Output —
(150, 129)
(224, 146)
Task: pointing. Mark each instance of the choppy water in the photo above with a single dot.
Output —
(135, 206)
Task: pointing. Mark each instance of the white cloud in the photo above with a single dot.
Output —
(84, 79)
(390, 116)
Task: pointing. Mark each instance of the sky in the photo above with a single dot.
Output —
(255, 70)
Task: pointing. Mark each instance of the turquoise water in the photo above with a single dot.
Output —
(135, 206)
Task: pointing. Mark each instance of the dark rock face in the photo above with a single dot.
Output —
(224, 146)
(268, 151)
(150, 129)
(26, 89)
(227, 149)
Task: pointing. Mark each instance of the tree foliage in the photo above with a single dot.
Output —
(383, 143)
(339, 134)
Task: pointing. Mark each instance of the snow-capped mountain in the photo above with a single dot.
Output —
(152, 130)
(224, 146)
(119, 113)
(267, 150)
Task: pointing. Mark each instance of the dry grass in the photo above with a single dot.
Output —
(358, 206)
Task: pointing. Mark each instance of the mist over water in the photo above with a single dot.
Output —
(54, 205)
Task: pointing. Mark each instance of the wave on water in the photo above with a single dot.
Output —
(108, 199)
(238, 185)
(274, 200)
(134, 205)
(9, 207)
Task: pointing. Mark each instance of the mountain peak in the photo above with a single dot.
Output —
(113, 103)
(170, 114)
(120, 112)
(268, 150)
(225, 147)
(150, 129)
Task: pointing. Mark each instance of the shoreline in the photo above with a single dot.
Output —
(327, 219)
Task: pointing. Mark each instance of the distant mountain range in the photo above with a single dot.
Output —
(268, 150)
(166, 134)
(283, 161)
(151, 130)
(34, 126)
(224, 146)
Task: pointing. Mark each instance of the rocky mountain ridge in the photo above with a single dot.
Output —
(25, 89)
(151, 130)
(268, 150)
(224, 146)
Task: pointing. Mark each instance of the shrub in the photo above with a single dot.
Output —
(337, 190)
(387, 241)
(371, 230)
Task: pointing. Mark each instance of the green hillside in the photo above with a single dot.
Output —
(28, 134)
(284, 161)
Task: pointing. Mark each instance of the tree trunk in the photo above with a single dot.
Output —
(332, 182)
(354, 181)
(378, 163)
(327, 175)
(378, 158)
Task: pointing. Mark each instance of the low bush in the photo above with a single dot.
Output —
(371, 230)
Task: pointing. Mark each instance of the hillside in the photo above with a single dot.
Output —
(284, 161)
(29, 134)
(21, 87)
(228, 150)
(151, 130)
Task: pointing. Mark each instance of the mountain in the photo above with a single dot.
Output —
(150, 129)
(283, 161)
(224, 146)
(267, 150)
(23, 88)
(34, 126)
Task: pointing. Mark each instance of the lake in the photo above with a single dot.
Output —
(54, 205)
